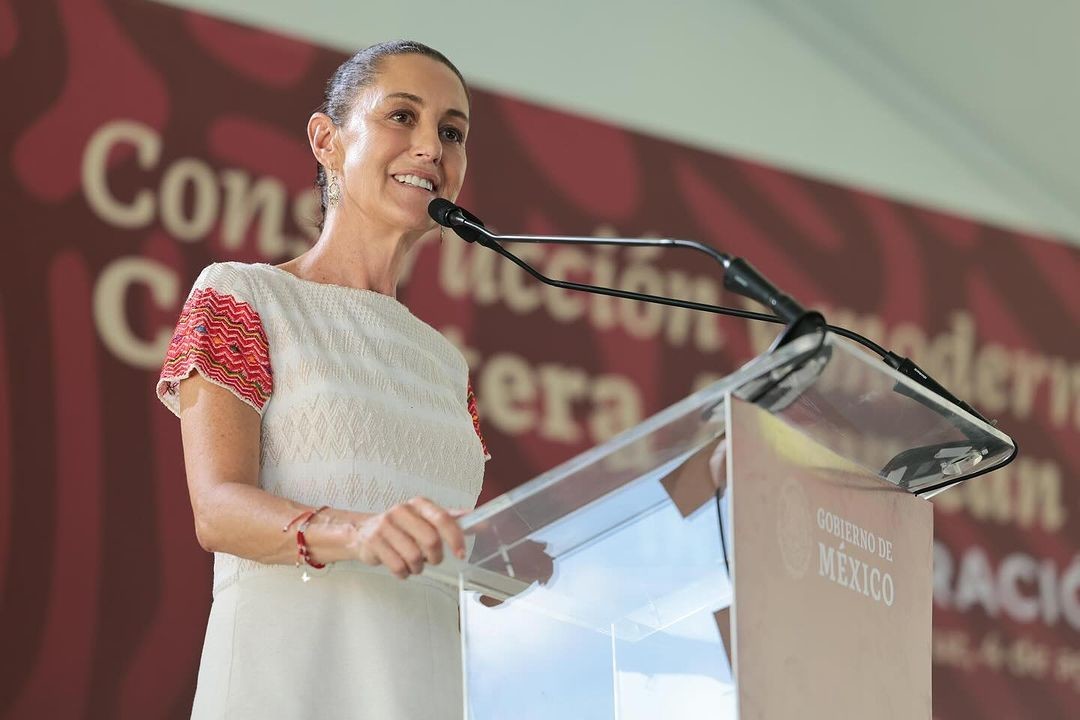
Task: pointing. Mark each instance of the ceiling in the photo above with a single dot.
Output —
(965, 105)
(994, 77)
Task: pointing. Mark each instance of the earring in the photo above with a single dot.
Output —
(333, 190)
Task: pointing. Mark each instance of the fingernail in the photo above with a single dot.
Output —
(460, 554)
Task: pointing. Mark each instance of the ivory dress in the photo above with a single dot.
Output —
(363, 406)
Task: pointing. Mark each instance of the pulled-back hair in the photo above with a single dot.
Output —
(358, 72)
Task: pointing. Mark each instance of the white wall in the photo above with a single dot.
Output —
(769, 80)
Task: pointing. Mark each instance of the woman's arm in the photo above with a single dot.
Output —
(221, 436)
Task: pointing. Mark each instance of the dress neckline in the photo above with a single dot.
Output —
(361, 295)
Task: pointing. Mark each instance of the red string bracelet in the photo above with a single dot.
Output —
(303, 553)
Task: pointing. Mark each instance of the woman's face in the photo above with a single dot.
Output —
(404, 143)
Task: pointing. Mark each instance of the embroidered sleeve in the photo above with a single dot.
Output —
(476, 421)
(222, 338)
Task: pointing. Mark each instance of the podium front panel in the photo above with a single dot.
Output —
(832, 612)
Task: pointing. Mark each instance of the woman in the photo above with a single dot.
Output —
(324, 426)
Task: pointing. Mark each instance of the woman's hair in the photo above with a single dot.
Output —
(358, 72)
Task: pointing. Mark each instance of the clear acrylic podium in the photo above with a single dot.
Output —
(761, 549)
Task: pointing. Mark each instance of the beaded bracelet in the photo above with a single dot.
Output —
(303, 553)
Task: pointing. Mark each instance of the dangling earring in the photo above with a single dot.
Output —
(333, 190)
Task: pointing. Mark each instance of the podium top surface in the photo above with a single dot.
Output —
(846, 405)
(845, 400)
(831, 390)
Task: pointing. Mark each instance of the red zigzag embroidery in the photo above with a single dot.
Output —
(476, 421)
(223, 339)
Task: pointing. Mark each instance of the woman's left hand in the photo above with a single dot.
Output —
(407, 536)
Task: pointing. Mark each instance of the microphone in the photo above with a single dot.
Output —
(457, 218)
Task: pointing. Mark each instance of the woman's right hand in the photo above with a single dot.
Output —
(408, 535)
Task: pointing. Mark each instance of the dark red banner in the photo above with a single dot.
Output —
(141, 143)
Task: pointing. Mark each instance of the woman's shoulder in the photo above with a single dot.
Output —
(228, 276)
(250, 283)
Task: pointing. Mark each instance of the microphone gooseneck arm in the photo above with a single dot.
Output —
(492, 244)
(740, 277)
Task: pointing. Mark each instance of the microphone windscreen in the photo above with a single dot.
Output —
(439, 209)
